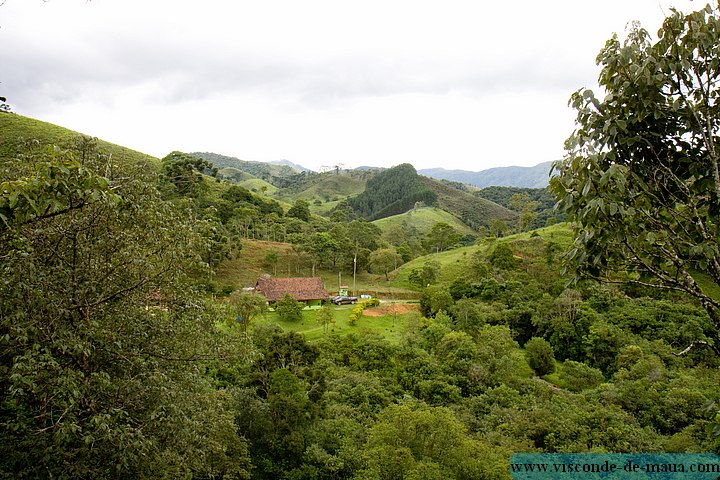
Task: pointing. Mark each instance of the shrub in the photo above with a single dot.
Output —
(289, 309)
(576, 376)
(357, 310)
(540, 357)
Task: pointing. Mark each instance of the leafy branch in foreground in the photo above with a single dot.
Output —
(641, 179)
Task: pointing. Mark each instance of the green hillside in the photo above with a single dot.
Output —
(323, 188)
(471, 209)
(16, 128)
(423, 220)
(454, 264)
(392, 191)
(267, 171)
(233, 174)
(259, 185)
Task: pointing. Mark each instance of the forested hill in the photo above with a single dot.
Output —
(391, 192)
(266, 171)
(473, 210)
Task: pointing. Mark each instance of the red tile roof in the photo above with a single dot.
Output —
(299, 288)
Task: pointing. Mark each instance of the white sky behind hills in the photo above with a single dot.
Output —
(454, 84)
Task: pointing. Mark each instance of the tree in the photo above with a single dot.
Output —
(319, 245)
(540, 356)
(272, 257)
(385, 260)
(498, 227)
(441, 236)
(502, 257)
(246, 307)
(525, 206)
(405, 252)
(102, 330)
(426, 275)
(184, 172)
(435, 299)
(4, 106)
(364, 237)
(641, 179)
(414, 440)
(325, 317)
(300, 210)
(289, 309)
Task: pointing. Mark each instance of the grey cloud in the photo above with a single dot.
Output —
(185, 69)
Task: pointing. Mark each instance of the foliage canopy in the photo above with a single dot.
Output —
(641, 179)
(101, 331)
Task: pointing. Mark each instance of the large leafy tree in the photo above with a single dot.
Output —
(100, 329)
(641, 179)
(385, 260)
(184, 172)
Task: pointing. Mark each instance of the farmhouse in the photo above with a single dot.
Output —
(308, 290)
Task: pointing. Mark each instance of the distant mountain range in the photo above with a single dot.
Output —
(528, 177)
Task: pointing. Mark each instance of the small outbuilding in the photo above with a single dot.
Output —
(311, 291)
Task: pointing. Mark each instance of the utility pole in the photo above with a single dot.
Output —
(354, 273)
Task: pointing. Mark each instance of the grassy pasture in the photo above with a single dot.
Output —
(382, 322)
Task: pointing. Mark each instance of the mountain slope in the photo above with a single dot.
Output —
(530, 177)
(423, 219)
(269, 172)
(472, 210)
(14, 129)
(325, 187)
(392, 191)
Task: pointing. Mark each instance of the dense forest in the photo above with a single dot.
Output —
(392, 191)
(132, 347)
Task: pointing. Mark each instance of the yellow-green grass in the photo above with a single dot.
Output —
(454, 263)
(389, 326)
(327, 188)
(257, 185)
(16, 128)
(423, 219)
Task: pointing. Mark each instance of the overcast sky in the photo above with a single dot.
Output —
(453, 84)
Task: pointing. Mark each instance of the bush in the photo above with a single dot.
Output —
(540, 357)
(358, 309)
(576, 376)
(289, 309)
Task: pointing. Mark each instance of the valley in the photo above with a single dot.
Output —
(119, 266)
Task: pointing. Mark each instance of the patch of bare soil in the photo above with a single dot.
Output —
(394, 309)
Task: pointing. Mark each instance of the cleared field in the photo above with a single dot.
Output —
(423, 219)
(389, 320)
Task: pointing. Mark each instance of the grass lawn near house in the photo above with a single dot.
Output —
(386, 320)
